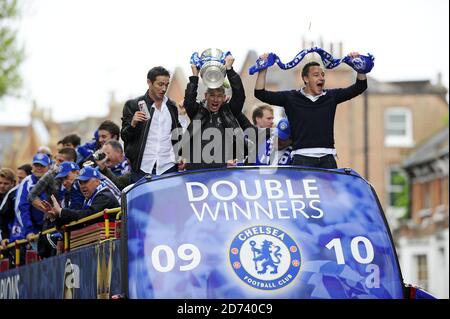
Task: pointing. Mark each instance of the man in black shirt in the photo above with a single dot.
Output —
(311, 111)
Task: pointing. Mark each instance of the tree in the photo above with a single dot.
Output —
(11, 54)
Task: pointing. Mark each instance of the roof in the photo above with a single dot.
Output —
(435, 147)
(406, 87)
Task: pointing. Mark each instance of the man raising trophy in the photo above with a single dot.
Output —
(206, 142)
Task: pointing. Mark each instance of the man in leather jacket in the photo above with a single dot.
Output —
(150, 128)
(211, 139)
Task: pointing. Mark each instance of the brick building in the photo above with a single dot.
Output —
(422, 237)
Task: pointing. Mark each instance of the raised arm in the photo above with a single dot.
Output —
(261, 78)
(354, 90)
(273, 98)
(42, 184)
(190, 94)
(360, 76)
(238, 93)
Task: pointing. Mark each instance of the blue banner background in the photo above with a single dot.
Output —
(159, 213)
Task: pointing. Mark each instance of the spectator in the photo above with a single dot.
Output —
(115, 158)
(69, 196)
(7, 215)
(280, 147)
(59, 145)
(88, 148)
(97, 198)
(107, 130)
(48, 184)
(45, 150)
(120, 181)
(71, 140)
(7, 181)
(148, 123)
(28, 219)
(262, 116)
(22, 172)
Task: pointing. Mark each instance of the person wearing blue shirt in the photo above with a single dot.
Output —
(28, 219)
(70, 195)
(277, 149)
(97, 198)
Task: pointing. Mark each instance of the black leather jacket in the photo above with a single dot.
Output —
(135, 138)
(229, 113)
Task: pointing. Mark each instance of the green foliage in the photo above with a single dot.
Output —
(11, 55)
(400, 198)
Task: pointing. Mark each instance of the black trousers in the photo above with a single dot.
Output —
(135, 176)
(326, 161)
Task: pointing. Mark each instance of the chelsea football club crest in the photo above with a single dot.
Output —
(265, 257)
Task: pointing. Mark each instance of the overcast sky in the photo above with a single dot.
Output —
(78, 51)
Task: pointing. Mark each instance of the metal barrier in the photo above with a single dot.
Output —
(66, 232)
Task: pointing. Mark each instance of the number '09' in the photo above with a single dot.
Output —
(337, 245)
(186, 252)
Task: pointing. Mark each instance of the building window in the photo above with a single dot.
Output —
(398, 192)
(422, 271)
(398, 127)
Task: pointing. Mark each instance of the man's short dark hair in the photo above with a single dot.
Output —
(26, 168)
(111, 127)
(73, 139)
(259, 112)
(69, 153)
(157, 71)
(306, 68)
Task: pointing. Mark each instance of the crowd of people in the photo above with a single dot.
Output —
(159, 136)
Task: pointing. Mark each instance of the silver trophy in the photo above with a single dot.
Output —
(211, 64)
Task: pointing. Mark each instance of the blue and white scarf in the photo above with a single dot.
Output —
(362, 64)
(88, 202)
(121, 168)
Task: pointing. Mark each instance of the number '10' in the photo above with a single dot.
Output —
(354, 245)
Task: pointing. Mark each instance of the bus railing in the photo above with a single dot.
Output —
(66, 232)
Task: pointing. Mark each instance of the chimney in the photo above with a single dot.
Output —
(341, 49)
(439, 78)
(331, 48)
